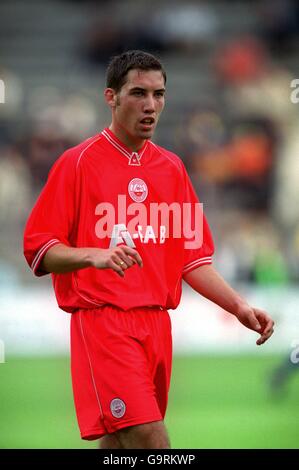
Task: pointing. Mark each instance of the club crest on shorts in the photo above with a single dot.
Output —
(138, 190)
(117, 407)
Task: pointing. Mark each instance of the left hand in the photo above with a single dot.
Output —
(257, 320)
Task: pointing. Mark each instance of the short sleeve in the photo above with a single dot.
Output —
(52, 218)
(198, 241)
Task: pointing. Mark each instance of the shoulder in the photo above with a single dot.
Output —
(72, 157)
(173, 159)
(77, 153)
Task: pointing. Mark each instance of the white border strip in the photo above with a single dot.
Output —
(90, 366)
(41, 252)
(116, 145)
(196, 263)
(81, 154)
(120, 148)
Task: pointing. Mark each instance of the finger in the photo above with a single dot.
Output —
(264, 337)
(133, 260)
(123, 258)
(269, 327)
(138, 258)
(263, 317)
(128, 260)
(119, 261)
(267, 324)
(130, 251)
(115, 266)
(254, 323)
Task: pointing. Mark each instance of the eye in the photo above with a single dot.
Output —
(160, 94)
(137, 93)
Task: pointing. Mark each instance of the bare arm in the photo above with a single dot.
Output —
(63, 259)
(207, 281)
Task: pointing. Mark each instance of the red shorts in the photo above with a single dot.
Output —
(121, 367)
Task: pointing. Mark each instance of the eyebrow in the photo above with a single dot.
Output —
(138, 88)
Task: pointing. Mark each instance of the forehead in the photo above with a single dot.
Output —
(149, 79)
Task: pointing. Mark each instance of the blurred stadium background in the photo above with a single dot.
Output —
(230, 117)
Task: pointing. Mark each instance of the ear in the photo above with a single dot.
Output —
(110, 97)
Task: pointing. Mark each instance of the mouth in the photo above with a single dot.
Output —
(147, 122)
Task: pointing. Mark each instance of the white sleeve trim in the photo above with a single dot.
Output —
(196, 263)
(41, 252)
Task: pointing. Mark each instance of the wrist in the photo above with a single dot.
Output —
(88, 258)
(95, 258)
(240, 305)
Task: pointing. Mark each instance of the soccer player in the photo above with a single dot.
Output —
(119, 226)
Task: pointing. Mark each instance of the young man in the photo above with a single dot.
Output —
(110, 225)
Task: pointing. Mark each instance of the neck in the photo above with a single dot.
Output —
(127, 139)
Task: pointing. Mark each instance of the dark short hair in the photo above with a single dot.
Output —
(120, 65)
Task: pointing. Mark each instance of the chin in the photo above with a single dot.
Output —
(146, 135)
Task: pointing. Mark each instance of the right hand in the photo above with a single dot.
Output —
(118, 258)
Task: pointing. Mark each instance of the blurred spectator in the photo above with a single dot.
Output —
(104, 39)
(187, 26)
(264, 90)
(14, 94)
(286, 197)
(236, 160)
(240, 61)
(270, 267)
(202, 130)
(281, 375)
(41, 148)
(72, 115)
(243, 167)
(15, 189)
(111, 33)
(279, 24)
(251, 83)
(57, 123)
(250, 248)
(158, 30)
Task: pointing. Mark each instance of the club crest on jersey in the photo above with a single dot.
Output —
(117, 407)
(137, 189)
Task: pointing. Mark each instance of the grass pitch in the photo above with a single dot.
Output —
(215, 402)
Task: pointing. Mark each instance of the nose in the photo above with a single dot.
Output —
(149, 104)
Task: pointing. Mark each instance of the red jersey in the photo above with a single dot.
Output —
(100, 194)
